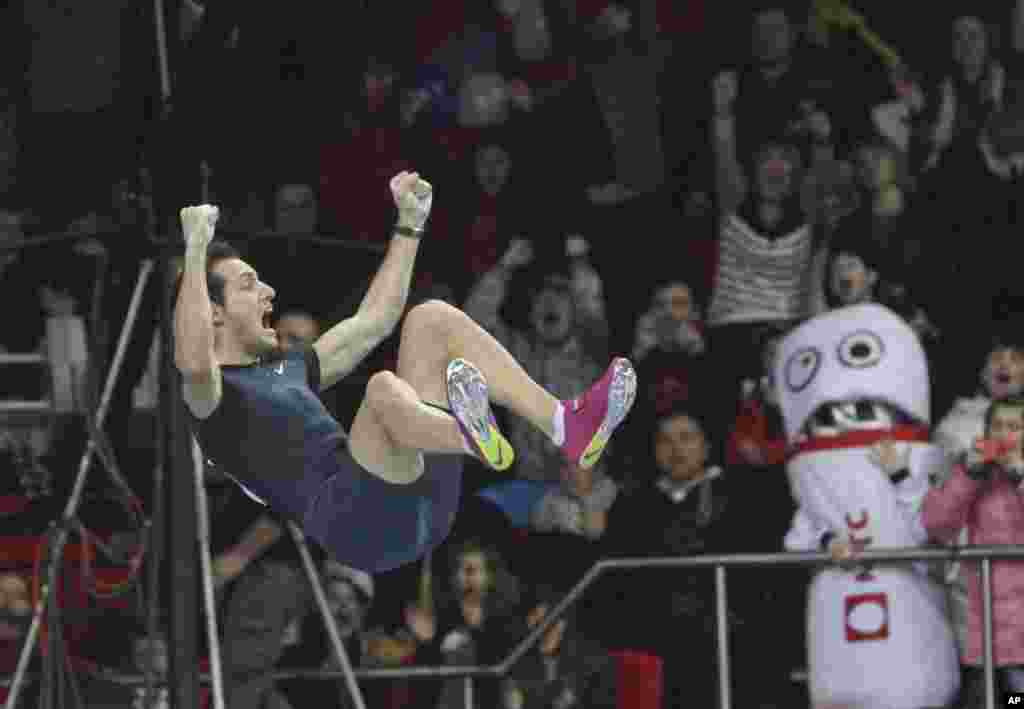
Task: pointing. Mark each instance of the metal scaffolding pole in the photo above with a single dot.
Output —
(180, 516)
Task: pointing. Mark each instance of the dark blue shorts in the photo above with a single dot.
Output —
(368, 523)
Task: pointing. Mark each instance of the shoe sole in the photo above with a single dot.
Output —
(621, 395)
(470, 404)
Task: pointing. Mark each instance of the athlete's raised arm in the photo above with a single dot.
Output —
(345, 345)
(193, 316)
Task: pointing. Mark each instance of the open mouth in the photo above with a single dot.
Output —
(836, 417)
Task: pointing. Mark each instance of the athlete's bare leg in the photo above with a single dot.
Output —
(393, 424)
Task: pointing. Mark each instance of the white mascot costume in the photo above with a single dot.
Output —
(853, 388)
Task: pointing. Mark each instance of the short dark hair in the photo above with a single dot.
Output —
(216, 252)
(1007, 402)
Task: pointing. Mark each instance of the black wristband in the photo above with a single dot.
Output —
(826, 539)
(408, 231)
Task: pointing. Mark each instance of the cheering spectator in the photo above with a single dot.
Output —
(777, 94)
(672, 324)
(1002, 376)
(670, 355)
(964, 147)
(984, 495)
(559, 348)
(473, 624)
(567, 670)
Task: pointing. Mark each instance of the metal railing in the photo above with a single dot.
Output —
(984, 554)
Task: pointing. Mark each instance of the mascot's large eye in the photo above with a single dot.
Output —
(861, 349)
(801, 368)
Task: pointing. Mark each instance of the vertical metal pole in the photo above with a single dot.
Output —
(180, 515)
(337, 646)
(467, 692)
(722, 614)
(986, 599)
(212, 638)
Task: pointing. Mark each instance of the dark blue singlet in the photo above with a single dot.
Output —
(273, 435)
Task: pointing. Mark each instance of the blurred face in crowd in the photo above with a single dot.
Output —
(775, 171)
(680, 448)
(243, 322)
(970, 43)
(378, 83)
(472, 575)
(552, 315)
(675, 301)
(492, 168)
(347, 606)
(773, 36)
(851, 280)
(296, 329)
(295, 209)
(150, 654)
(1003, 374)
(1007, 423)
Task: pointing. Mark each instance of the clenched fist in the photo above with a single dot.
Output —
(198, 224)
(413, 197)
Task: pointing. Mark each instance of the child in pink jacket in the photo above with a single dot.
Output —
(985, 494)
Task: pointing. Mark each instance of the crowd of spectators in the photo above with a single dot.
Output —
(666, 179)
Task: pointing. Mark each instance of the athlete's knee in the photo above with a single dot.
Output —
(383, 392)
(431, 315)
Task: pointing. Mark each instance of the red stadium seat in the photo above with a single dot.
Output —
(640, 679)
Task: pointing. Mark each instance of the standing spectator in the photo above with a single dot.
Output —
(765, 251)
(373, 143)
(779, 95)
(559, 348)
(984, 495)
(1002, 376)
(487, 212)
(670, 355)
(678, 513)
(567, 670)
(474, 623)
(957, 150)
